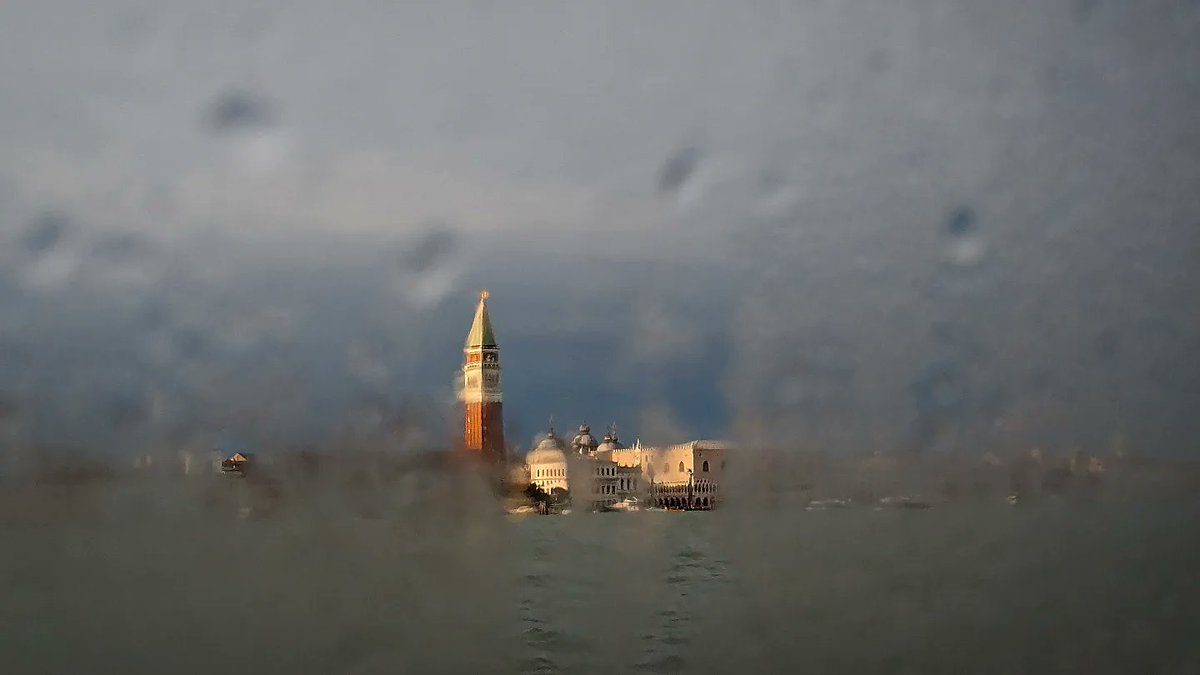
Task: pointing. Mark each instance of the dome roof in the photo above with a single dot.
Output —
(610, 443)
(549, 449)
(584, 442)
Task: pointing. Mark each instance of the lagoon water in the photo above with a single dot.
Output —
(142, 583)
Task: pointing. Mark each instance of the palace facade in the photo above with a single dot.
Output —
(687, 475)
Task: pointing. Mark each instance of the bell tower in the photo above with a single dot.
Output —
(481, 395)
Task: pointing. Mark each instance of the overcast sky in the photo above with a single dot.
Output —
(854, 226)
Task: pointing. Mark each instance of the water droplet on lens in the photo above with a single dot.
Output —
(127, 411)
(676, 171)
(966, 247)
(429, 251)
(961, 222)
(45, 232)
(122, 248)
(425, 269)
(939, 388)
(238, 109)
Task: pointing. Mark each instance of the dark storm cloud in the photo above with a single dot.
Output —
(906, 226)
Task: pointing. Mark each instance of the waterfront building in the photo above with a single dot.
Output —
(547, 464)
(612, 483)
(480, 390)
(687, 475)
(593, 482)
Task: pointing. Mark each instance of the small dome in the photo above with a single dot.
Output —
(549, 449)
(610, 443)
(584, 442)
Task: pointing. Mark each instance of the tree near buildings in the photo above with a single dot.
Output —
(536, 494)
(560, 495)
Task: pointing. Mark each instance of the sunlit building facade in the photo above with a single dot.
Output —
(598, 475)
(593, 482)
(687, 475)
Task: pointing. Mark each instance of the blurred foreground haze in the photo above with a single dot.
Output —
(946, 230)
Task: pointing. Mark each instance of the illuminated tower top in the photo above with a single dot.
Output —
(481, 335)
(481, 392)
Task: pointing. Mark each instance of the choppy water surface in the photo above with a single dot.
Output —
(142, 584)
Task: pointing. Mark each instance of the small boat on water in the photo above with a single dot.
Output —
(822, 504)
(627, 504)
(905, 502)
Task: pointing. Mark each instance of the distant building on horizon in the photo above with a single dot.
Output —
(599, 475)
(596, 474)
(236, 463)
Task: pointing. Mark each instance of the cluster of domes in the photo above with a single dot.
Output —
(585, 443)
(610, 443)
(551, 448)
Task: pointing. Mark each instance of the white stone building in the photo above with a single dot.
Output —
(547, 464)
(688, 475)
(594, 482)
